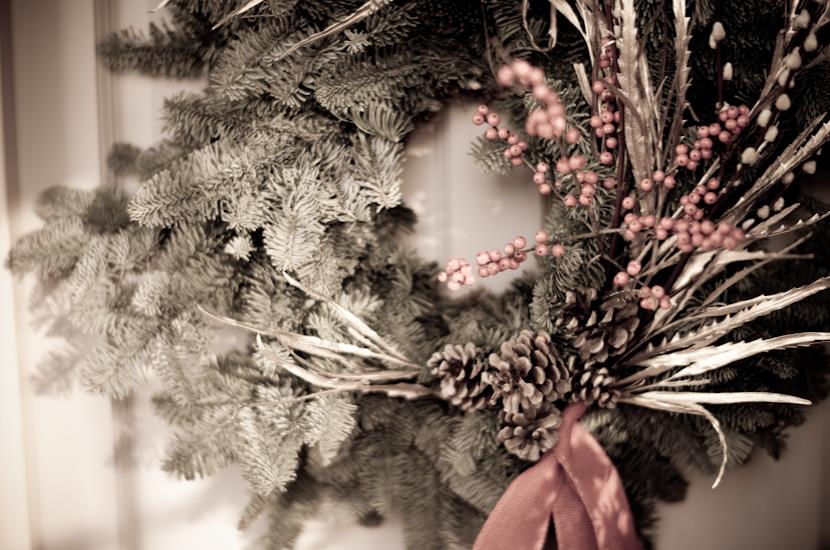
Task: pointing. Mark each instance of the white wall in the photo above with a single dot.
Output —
(61, 488)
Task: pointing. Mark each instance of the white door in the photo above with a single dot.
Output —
(81, 472)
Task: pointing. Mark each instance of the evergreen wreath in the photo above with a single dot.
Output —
(665, 152)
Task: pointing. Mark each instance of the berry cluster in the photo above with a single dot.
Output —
(707, 194)
(457, 273)
(633, 269)
(587, 180)
(542, 248)
(732, 121)
(495, 261)
(653, 297)
(541, 179)
(547, 121)
(605, 124)
(516, 147)
(705, 235)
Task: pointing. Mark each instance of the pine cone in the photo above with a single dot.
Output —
(459, 369)
(608, 332)
(575, 312)
(593, 385)
(527, 372)
(529, 435)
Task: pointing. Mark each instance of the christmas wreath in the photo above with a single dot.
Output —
(667, 156)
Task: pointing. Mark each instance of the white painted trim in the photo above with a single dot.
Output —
(15, 513)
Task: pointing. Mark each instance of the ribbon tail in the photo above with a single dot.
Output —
(522, 514)
(601, 509)
(576, 485)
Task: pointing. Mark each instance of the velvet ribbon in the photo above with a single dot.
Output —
(577, 487)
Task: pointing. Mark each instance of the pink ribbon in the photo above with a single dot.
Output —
(574, 484)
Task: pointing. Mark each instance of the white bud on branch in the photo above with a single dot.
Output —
(793, 61)
(718, 34)
(749, 156)
(728, 71)
(811, 42)
(783, 102)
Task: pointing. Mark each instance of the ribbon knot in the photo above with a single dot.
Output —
(576, 486)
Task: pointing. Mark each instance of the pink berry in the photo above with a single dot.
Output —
(609, 183)
(482, 272)
(495, 255)
(572, 136)
(576, 162)
(628, 203)
(519, 242)
(539, 178)
(557, 250)
(606, 158)
(513, 139)
(646, 185)
(658, 291)
(491, 134)
(506, 75)
(442, 277)
(633, 268)
(509, 249)
(516, 161)
(621, 278)
(570, 201)
(661, 234)
(541, 236)
(483, 110)
(504, 133)
(478, 120)
(596, 122)
(542, 167)
(669, 182)
(545, 189)
(710, 198)
(658, 176)
(541, 249)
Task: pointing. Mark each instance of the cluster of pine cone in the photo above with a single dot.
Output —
(531, 380)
